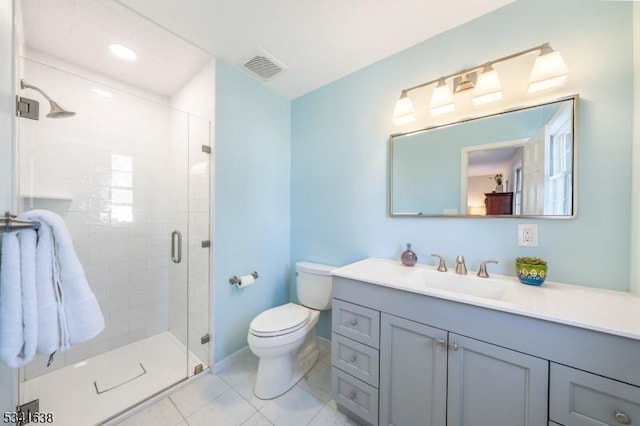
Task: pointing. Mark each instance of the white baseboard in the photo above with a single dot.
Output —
(226, 362)
(324, 344)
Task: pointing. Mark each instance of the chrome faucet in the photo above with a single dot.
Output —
(461, 268)
(442, 266)
(482, 272)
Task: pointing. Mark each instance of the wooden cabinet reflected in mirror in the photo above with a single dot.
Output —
(498, 203)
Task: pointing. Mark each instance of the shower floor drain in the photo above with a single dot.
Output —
(118, 378)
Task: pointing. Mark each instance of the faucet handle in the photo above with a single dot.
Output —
(482, 272)
(461, 268)
(442, 266)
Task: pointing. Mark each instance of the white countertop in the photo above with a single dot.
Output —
(608, 311)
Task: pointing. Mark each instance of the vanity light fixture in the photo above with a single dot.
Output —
(463, 83)
(404, 112)
(549, 71)
(488, 89)
(442, 99)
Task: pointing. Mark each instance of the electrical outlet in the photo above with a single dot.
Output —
(528, 235)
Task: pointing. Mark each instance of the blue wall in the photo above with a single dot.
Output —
(252, 203)
(340, 135)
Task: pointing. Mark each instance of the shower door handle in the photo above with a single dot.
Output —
(176, 252)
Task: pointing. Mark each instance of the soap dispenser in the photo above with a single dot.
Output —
(408, 257)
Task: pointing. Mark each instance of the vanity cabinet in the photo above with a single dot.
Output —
(431, 377)
(355, 359)
(491, 385)
(578, 398)
(413, 373)
(447, 362)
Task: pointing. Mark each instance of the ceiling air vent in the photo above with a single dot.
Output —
(263, 65)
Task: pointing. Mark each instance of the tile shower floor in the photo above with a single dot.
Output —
(227, 399)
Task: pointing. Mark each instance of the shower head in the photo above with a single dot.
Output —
(56, 111)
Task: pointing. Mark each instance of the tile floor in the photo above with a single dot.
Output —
(227, 399)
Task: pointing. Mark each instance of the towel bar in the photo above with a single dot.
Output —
(9, 223)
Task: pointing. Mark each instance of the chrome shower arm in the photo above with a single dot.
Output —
(25, 85)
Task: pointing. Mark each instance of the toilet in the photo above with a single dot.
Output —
(284, 338)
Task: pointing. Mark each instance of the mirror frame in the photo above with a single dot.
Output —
(574, 178)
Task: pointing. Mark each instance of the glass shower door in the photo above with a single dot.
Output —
(199, 316)
(119, 174)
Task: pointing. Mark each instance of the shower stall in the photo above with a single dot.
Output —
(130, 174)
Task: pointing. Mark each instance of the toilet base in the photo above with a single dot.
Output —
(279, 374)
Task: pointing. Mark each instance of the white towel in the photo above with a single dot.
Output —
(48, 324)
(18, 299)
(28, 241)
(62, 283)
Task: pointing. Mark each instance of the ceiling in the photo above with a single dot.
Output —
(80, 31)
(490, 161)
(317, 41)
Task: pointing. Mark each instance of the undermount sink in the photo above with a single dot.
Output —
(468, 285)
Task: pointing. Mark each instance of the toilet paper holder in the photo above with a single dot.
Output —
(236, 280)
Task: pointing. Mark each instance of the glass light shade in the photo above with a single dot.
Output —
(488, 87)
(442, 99)
(404, 112)
(549, 71)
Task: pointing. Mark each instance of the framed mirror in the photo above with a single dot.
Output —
(517, 163)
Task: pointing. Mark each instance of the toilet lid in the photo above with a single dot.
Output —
(280, 320)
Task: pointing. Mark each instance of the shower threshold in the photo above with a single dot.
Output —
(70, 392)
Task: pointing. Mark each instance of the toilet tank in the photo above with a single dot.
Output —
(313, 281)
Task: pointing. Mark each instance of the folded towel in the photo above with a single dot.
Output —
(48, 323)
(64, 294)
(18, 299)
(28, 241)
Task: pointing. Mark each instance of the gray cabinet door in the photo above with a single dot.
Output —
(578, 398)
(413, 378)
(493, 386)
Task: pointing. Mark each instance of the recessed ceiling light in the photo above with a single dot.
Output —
(123, 52)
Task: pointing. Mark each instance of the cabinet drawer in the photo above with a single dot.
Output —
(356, 322)
(355, 358)
(354, 395)
(577, 398)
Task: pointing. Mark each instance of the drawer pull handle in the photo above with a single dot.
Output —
(354, 321)
(353, 359)
(352, 395)
(453, 347)
(622, 418)
(441, 343)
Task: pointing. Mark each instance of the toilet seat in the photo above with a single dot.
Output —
(280, 320)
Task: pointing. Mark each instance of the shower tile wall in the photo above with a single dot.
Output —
(105, 171)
